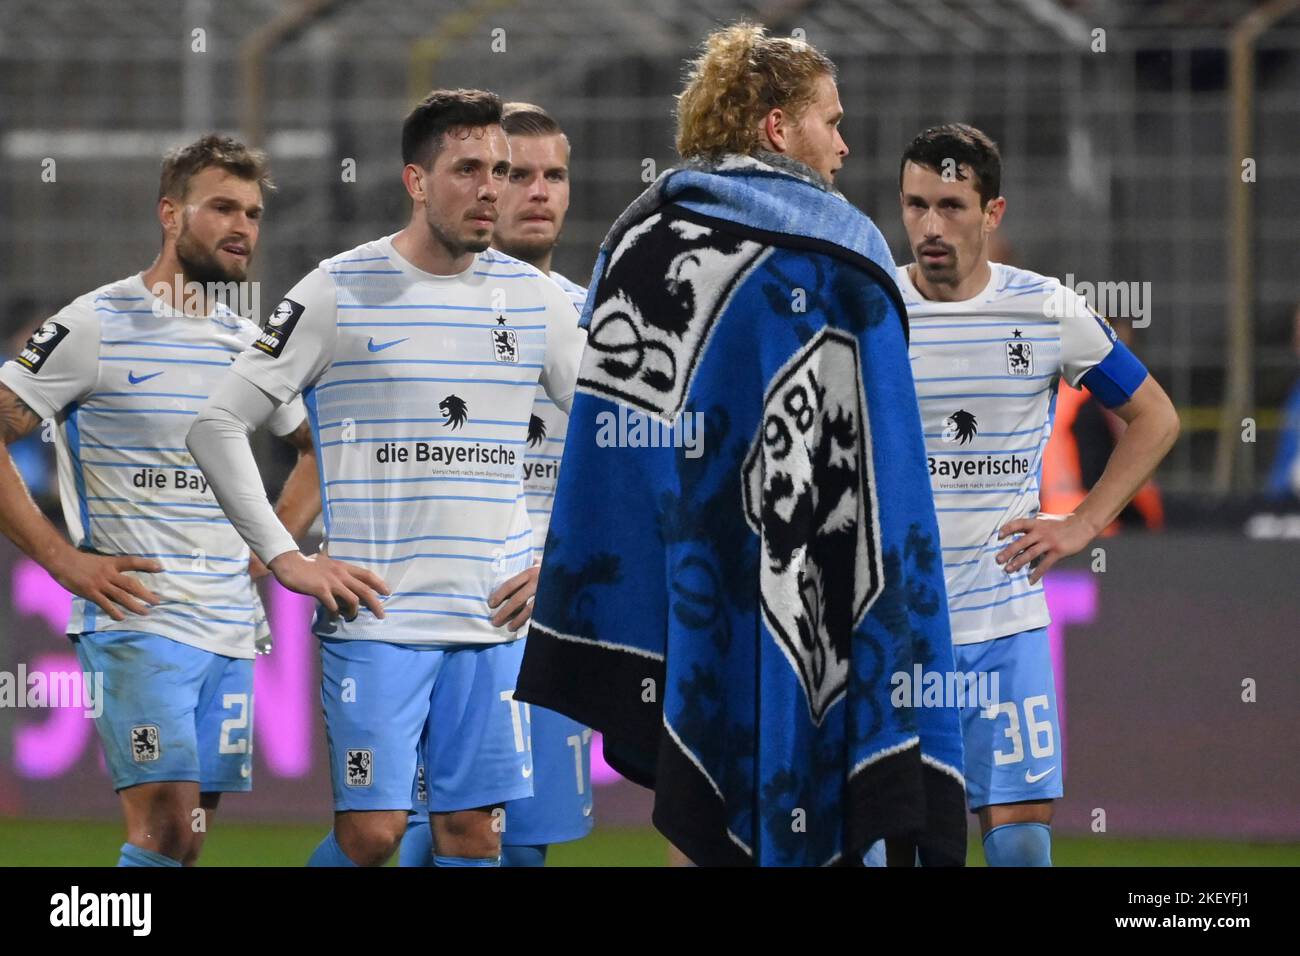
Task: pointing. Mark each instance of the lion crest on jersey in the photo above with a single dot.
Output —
(809, 495)
(1020, 356)
(959, 427)
(505, 345)
(457, 412)
(536, 431)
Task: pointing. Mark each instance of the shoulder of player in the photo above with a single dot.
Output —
(119, 297)
(576, 293)
(317, 289)
(367, 257)
(1012, 283)
(547, 286)
(1017, 277)
(567, 284)
(87, 313)
(494, 262)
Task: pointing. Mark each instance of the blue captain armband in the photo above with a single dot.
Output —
(1115, 378)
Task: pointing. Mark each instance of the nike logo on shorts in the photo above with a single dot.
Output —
(1035, 777)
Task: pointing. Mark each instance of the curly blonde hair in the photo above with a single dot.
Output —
(740, 77)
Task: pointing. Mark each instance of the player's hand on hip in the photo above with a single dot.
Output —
(1043, 541)
(102, 578)
(515, 599)
(341, 587)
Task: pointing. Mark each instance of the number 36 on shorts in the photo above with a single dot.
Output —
(1042, 742)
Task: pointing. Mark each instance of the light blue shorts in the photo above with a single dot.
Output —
(171, 711)
(389, 707)
(560, 808)
(1012, 748)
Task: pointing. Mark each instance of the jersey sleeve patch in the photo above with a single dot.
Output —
(278, 327)
(38, 348)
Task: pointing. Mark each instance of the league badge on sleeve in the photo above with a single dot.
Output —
(1020, 355)
(505, 343)
(38, 348)
(278, 326)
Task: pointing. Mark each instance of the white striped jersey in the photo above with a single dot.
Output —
(546, 430)
(123, 376)
(986, 372)
(419, 389)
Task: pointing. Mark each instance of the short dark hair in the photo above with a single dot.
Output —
(444, 110)
(966, 146)
(528, 119)
(183, 163)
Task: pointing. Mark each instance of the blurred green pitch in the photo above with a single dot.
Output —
(80, 843)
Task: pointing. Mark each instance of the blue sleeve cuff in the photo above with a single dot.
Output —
(1115, 378)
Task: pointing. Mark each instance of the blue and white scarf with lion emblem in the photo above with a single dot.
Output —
(743, 547)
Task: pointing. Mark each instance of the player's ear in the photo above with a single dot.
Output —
(413, 180)
(169, 215)
(773, 130)
(993, 213)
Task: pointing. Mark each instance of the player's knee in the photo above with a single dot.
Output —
(167, 833)
(466, 833)
(369, 839)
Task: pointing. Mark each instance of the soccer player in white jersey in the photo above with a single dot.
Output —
(164, 606)
(417, 356)
(988, 345)
(531, 213)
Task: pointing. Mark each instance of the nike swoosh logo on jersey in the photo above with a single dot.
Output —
(1035, 777)
(386, 345)
(131, 377)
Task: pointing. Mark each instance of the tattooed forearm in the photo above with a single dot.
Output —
(300, 502)
(17, 419)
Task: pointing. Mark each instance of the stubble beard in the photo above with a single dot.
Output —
(454, 245)
(202, 265)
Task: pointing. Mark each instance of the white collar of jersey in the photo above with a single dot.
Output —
(401, 262)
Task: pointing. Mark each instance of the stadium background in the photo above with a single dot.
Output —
(1123, 156)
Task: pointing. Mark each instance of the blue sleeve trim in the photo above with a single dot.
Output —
(1115, 378)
